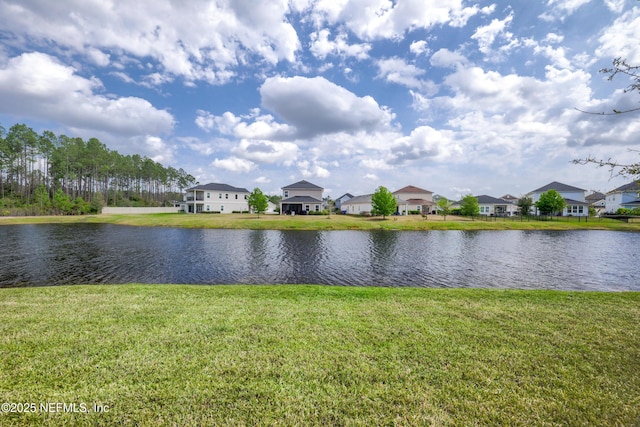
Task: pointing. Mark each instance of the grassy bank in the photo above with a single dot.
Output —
(313, 355)
(334, 222)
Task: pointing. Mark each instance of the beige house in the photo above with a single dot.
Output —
(412, 198)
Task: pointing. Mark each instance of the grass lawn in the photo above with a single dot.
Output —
(334, 222)
(319, 355)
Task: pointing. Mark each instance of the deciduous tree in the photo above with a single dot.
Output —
(550, 202)
(469, 206)
(444, 207)
(257, 201)
(525, 203)
(383, 202)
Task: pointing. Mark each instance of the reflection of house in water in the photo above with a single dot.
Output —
(301, 198)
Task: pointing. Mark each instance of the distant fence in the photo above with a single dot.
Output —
(604, 218)
(112, 210)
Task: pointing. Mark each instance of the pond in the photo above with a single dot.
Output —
(57, 254)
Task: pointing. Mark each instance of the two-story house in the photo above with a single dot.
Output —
(301, 198)
(215, 197)
(574, 197)
(623, 197)
(411, 198)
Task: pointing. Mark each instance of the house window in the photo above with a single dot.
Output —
(208, 208)
(286, 193)
(236, 197)
(219, 195)
(317, 208)
(306, 208)
(245, 197)
(208, 195)
(221, 208)
(226, 196)
(580, 209)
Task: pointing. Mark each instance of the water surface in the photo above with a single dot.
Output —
(56, 254)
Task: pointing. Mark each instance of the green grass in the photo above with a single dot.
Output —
(319, 355)
(334, 222)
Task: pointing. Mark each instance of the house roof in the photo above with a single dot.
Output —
(366, 198)
(632, 186)
(348, 195)
(300, 199)
(214, 186)
(489, 200)
(558, 186)
(575, 202)
(635, 202)
(305, 185)
(594, 197)
(412, 189)
(509, 197)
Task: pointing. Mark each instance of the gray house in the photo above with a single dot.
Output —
(301, 198)
(574, 197)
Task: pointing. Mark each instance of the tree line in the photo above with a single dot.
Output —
(57, 174)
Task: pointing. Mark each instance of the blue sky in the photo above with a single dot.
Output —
(452, 96)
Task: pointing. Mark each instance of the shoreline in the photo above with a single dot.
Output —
(324, 222)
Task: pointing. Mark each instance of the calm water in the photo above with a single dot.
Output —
(44, 255)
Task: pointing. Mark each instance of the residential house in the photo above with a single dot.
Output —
(358, 205)
(576, 205)
(216, 197)
(301, 197)
(597, 201)
(623, 197)
(362, 205)
(492, 206)
(412, 198)
(340, 200)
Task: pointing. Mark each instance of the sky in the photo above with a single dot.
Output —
(455, 97)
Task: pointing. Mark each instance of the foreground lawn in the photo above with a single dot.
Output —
(314, 355)
(333, 222)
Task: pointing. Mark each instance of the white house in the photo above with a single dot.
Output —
(492, 206)
(412, 198)
(340, 200)
(358, 205)
(301, 197)
(576, 204)
(215, 197)
(623, 196)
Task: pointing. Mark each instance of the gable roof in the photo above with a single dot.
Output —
(412, 189)
(366, 198)
(214, 186)
(489, 200)
(594, 197)
(348, 195)
(558, 186)
(305, 185)
(632, 186)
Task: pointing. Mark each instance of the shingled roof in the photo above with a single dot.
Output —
(632, 186)
(558, 186)
(412, 189)
(306, 185)
(214, 186)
